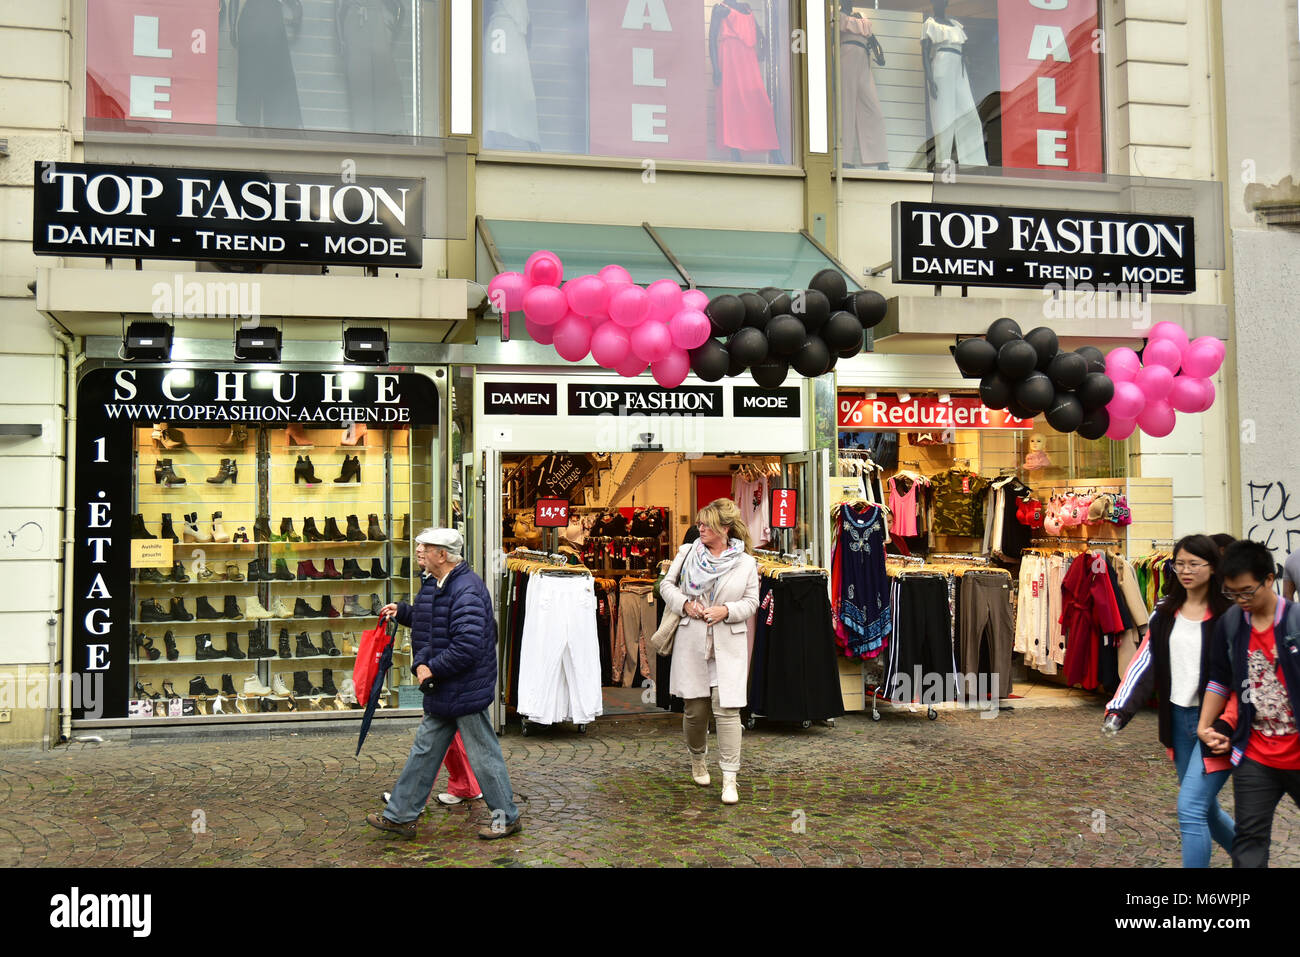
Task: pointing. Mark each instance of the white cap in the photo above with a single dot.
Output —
(447, 538)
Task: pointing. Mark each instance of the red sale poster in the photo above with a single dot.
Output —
(648, 78)
(1050, 61)
(152, 60)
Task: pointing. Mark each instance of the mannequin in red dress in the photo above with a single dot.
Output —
(746, 120)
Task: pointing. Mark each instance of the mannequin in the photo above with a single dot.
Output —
(367, 32)
(947, 79)
(861, 118)
(266, 91)
(509, 98)
(746, 121)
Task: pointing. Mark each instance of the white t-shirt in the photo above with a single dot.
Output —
(1185, 662)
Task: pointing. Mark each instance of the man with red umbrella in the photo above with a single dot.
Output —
(454, 656)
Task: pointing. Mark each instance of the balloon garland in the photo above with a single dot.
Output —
(1172, 375)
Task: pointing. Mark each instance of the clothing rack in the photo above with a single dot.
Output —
(1158, 542)
(1086, 542)
(977, 559)
(548, 558)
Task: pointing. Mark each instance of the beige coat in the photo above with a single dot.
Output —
(738, 590)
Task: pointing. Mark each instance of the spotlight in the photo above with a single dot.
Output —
(904, 397)
(945, 398)
(870, 396)
(258, 345)
(365, 344)
(147, 342)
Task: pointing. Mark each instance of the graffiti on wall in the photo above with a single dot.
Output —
(1273, 518)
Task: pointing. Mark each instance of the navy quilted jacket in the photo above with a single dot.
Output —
(454, 632)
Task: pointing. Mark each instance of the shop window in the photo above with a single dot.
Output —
(672, 79)
(976, 83)
(351, 66)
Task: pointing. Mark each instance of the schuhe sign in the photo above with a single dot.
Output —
(152, 212)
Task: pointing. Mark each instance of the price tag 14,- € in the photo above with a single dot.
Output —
(551, 513)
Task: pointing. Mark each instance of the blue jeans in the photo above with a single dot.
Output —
(432, 738)
(1199, 815)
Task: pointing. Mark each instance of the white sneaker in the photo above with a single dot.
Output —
(729, 792)
(700, 769)
(253, 609)
(279, 688)
(253, 686)
(280, 610)
(450, 800)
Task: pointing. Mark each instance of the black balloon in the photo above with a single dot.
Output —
(749, 346)
(850, 353)
(1019, 411)
(778, 301)
(812, 359)
(727, 313)
(842, 331)
(831, 284)
(756, 311)
(1002, 331)
(812, 307)
(1067, 370)
(735, 365)
(1045, 344)
(975, 358)
(1016, 359)
(1096, 390)
(995, 391)
(868, 305)
(1094, 356)
(710, 361)
(770, 373)
(834, 359)
(1066, 413)
(785, 334)
(1035, 392)
(1094, 424)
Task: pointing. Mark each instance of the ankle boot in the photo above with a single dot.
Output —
(178, 574)
(237, 437)
(262, 530)
(206, 574)
(353, 570)
(376, 603)
(351, 469)
(303, 610)
(254, 610)
(219, 533)
(304, 648)
(327, 609)
(700, 768)
(233, 574)
(199, 687)
(228, 685)
(151, 576)
(257, 646)
(406, 527)
(406, 568)
(150, 610)
(178, 612)
(137, 527)
(191, 529)
(293, 435)
(204, 611)
(169, 640)
(165, 473)
(354, 533)
(282, 573)
(256, 571)
(167, 531)
(302, 687)
(330, 571)
(332, 533)
(279, 610)
(354, 434)
(327, 646)
(228, 469)
(204, 650)
(165, 438)
(327, 682)
(307, 571)
(729, 793)
(309, 532)
(377, 570)
(375, 532)
(304, 471)
(231, 609)
(283, 643)
(286, 531)
(352, 608)
(232, 646)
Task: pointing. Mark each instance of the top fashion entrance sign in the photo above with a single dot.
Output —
(152, 212)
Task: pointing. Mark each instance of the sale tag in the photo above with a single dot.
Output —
(965, 484)
(151, 553)
(551, 513)
(785, 502)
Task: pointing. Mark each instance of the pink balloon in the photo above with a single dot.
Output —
(1209, 393)
(544, 269)
(1163, 352)
(539, 333)
(1155, 382)
(672, 369)
(610, 345)
(1169, 332)
(1203, 357)
(665, 299)
(695, 299)
(631, 367)
(614, 274)
(573, 338)
(545, 305)
(1120, 429)
(506, 291)
(1122, 365)
(651, 341)
(1128, 401)
(1187, 395)
(1157, 419)
(587, 295)
(690, 329)
(629, 307)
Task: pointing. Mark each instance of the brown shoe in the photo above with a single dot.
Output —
(493, 833)
(403, 831)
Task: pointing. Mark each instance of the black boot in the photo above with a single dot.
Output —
(332, 532)
(150, 610)
(228, 685)
(231, 609)
(137, 527)
(167, 531)
(228, 469)
(351, 469)
(151, 576)
(377, 570)
(204, 611)
(375, 532)
(353, 570)
(262, 529)
(170, 641)
(232, 646)
(287, 532)
(165, 474)
(406, 568)
(304, 471)
(309, 533)
(199, 687)
(282, 573)
(256, 572)
(327, 682)
(302, 687)
(178, 611)
(327, 609)
(304, 648)
(204, 650)
(406, 527)
(178, 574)
(354, 530)
(257, 645)
(327, 646)
(284, 643)
(303, 610)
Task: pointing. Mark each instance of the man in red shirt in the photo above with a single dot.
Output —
(1256, 652)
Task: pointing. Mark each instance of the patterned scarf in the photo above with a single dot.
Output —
(702, 569)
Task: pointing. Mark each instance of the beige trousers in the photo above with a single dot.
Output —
(695, 722)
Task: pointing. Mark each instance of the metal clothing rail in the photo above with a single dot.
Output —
(977, 559)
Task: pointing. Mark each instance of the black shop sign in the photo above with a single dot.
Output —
(766, 403)
(645, 400)
(942, 244)
(154, 212)
(509, 398)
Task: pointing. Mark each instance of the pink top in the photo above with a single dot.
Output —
(902, 508)
(859, 25)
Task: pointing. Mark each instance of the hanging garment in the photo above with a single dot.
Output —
(798, 678)
(958, 503)
(637, 622)
(861, 118)
(746, 120)
(921, 660)
(986, 623)
(559, 663)
(953, 116)
(902, 506)
(266, 91)
(367, 38)
(859, 582)
(752, 498)
(509, 98)
(1032, 633)
(1090, 612)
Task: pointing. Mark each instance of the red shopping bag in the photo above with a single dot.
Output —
(373, 645)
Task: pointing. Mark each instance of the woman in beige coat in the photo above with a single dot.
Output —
(713, 585)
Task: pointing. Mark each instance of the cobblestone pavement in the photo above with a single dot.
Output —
(1035, 787)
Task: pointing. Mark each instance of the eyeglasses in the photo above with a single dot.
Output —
(1231, 595)
(701, 524)
(1190, 566)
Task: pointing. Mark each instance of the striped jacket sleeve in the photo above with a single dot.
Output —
(1139, 681)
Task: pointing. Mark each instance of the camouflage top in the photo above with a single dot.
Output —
(959, 503)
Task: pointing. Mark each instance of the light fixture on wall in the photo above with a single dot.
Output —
(147, 342)
(945, 398)
(365, 344)
(871, 396)
(258, 344)
(904, 397)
